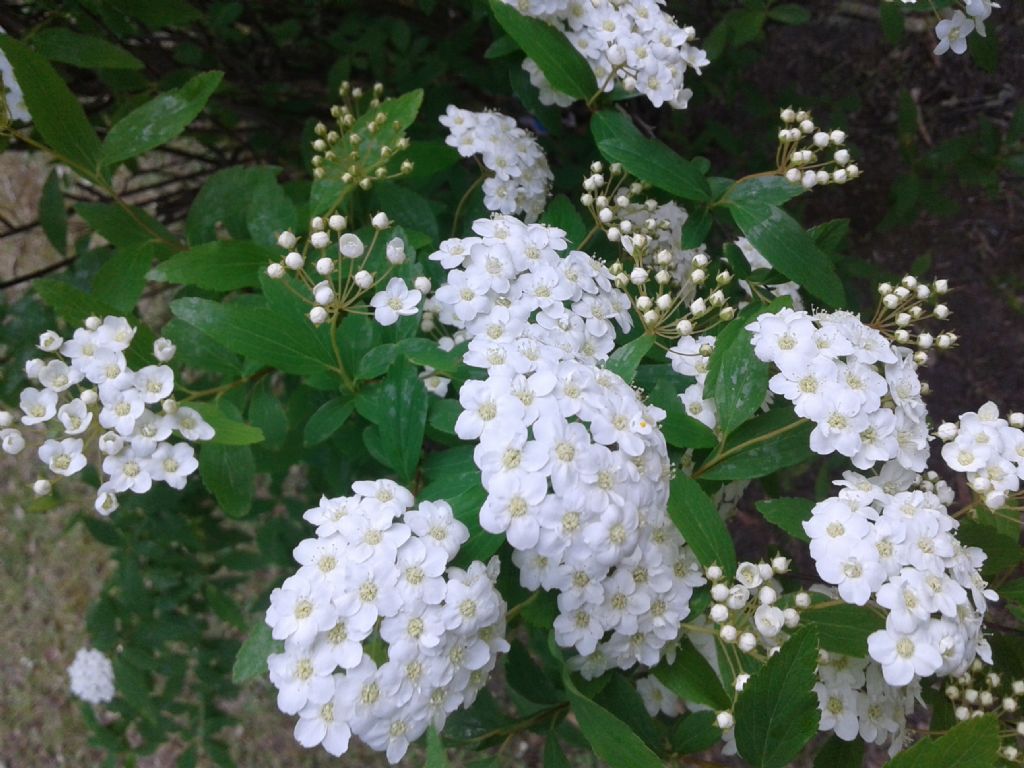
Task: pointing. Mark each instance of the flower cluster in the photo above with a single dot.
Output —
(891, 538)
(801, 143)
(361, 146)
(520, 179)
(92, 676)
(745, 610)
(904, 307)
(348, 277)
(862, 393)
(989, 450)
(575, 469)
(381, 637)
(855, 700)
(691, 356)
(631, 43)
(113, 413)
(977, 692)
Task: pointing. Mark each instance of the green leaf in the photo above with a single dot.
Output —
(157, 14)
(777, 711)
(251, 661)
(123, 226)
(789, 248)
(398, 406)
(376, 362)
(562, 213)
(122, 278)
(53, 216)
(281, 339)
(436, 755)
(771, 190)
(647, 159)
(158, 121)
(691, 678)
(765, 445)
(554, 757)
(696, 227)
(973, 743)
(563, 66)
(625, 359)
(1004, 552)
(55, 111)
(197, 350)
(223, 201)
(843, 628)
(223, 265)
(679, 428)
(227, 472)
(613, 741)
(787, 514)
(892, 22)
(789, 13)
(695, 732)
(228, 430)
(69, 47)
(270, 211)
(327, 420)
(407, 207)
(840, 754)
(740, 379)
(425, 352)
(696, 517)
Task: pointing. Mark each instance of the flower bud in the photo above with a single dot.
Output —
(294, 260)
(337, 222)
(286, 240)
(725, 720)
(422, 284)
(363, 280)
(323, 294)
(42, 487)
(275, 271)
(718, 613)
(395, 251)
(324, 266)
(350, 246)
(747, 642)
(164, 349)
(380, 221)
(318, 315)
(320, 240)
(728, 634)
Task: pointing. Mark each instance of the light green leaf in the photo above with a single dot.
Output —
(228, 431)
(327, 420)
(227, 472)
(787, 514)
(53, 216)
(436, 755)
(563, 66)
(973, 743)
(613, 741)
(251, 661)
(647, 159)
(55, 111)
(777, 711)
(223, 265)
(625, 359)
(158, 121)
(788, 248)
(694, 514)
(69, 47)
(691, 678)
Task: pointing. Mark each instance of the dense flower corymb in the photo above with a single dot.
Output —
(92, 676)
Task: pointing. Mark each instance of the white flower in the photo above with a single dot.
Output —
(952, 33)
(92, 676)
(37, 405)
(395, 301)
(904, 655)
(173, 464)
(63, 457)
(164, 350)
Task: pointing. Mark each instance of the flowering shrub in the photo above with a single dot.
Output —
(529, 438)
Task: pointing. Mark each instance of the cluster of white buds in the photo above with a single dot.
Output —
(990, 451)
(348, 270)
(362, 146)
(382, 637)
(518, 177)
(980, 692)
(804, 149)
(910, 302)
(633, 44)
(745, 610)
(88, 389)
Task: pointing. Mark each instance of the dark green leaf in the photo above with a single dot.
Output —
(740, 379)
(122, 278)
(840, 754)
(764, 445)
(1003, 551)
(695, 732)
(227, 472)
(157, 14)
(892, 22)
(270, 211)
(123, 226)
(647, 159)
(376, 362)
(69, 47)
(777, 711)
(696, 227)
(398, 406)
(223, 265)
(789, 13)
(229, 431)
(327, 420)
(787, 514)
(554, 757)
(973, 743)
(562, 213)
(425, 352)
(55, 111)
(696, 517)
(691, 678)
(613, 741)
(770, 190)
(158, 121)
(788, 248)
(679, 428)
(621, 698)
(625, 359)
(251, 661)
(444, 414)
(197, 350)
(407, 207)
(224, 201)
(563, 66)
(53, 216)
(843, 628)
